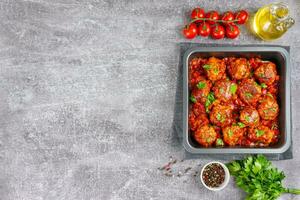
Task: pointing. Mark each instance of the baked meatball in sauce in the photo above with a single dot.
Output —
(232, 135)
(215, 69)
(249, 91)
(261, 134)
(268, 108)
(249, 116)
(239, 69)
(196, 121)
(221, 115)
(266, 73)
(225, 90)
(201, 90)
(205, 135)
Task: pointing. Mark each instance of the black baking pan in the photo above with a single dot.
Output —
(281, 58)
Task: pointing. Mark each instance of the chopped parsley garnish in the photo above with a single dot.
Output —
(201, 85)
(270, 95)
(263, 85)
(210, 99)
(216, 71)
(206, 67)
(240, 124)
(233, 88)
(193, 99)
(261, 75)
(222, 90)
(230, 133)
(248, 95)
(220, 117)
(259, 132)
(219, 142)
(270, 109)
(247, 118)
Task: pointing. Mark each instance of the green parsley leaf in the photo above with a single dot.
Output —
(240, 124)
(259, 132)
(270, 95)
(230, 133)
(248, 95)
(261, 75)
(201, 85)
(233, 88)
(206, 67)
(222, 90)
(193, 99)
(209, 100)
(220, 117)
(219, 142)
(273, 109)
(247, 118)
(216, 71)
(263, 85)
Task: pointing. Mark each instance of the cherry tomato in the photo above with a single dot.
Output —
(217, 32)
(190, 31)
(241, 16)
(212, 15)
(228, 16)
(197, 13)
(204, 29)
(232, 31)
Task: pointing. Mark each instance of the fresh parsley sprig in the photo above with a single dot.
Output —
(259, 178)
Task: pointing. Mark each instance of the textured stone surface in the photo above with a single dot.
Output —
(87, 99)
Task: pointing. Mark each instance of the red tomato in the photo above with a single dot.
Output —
(197, 13)
(217, 32)
(212, 15)
(204, 29)
(228, 16)
(241, 16)
(232, 31)
(190, 31)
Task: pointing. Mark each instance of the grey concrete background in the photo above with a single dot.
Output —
(87, 99)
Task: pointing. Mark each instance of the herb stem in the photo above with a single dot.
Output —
(292, 191)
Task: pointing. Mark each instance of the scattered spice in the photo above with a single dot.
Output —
(187, 169)
(195, 173)
(213, 175)
(170, 172)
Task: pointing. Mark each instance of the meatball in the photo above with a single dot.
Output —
(268, 109)
(239, 69)
(266, 73)
(201, 90)
(233, 134)
(249, 116)
(249, 91)
(225, 90)
(196, 121)
(261, 135)
(221, 115)
(215, 69)
(198, 108)
(195, 78)
(205, 135)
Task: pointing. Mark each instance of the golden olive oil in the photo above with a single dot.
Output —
(271, 21)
